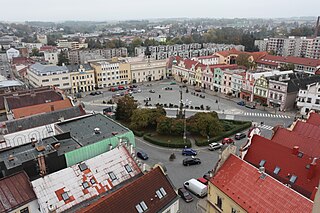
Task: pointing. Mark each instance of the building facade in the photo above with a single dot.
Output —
(309, 98)
(82, 78)
(148, 70)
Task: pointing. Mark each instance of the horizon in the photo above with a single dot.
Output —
(97, 10)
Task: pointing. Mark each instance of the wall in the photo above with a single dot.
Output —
(33, 207)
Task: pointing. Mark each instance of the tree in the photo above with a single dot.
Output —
(284, 67)
(142, 118)
(205, 124)
(125, 108)
(35, 52)
(164, 125)
(243, 60)
(63, 58)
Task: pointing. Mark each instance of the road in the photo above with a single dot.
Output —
(226, 109)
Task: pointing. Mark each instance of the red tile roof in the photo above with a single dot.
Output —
(188, 63)
(277, 155)
(233, 51)
(242, 183)
(289, 139)
(47, 48)
(290, 59)
(208, 57)
(41, 108)
(15, 191)
(142, 189)
(307, 130)
(314, 118)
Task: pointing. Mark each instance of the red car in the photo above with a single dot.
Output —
(227, 141)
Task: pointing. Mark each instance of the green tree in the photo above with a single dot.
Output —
(164, 125)
(243, 60)
(205, 124)
(35, 52)
(284, 67)
(140, 119)
(125, 107)
(63, 58)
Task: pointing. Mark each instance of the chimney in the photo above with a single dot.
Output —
(52, 108)
(313, 194)
(316, 31)
(295, 150)
(312, 169)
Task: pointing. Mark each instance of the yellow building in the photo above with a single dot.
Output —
(238, 187)
(82, 78)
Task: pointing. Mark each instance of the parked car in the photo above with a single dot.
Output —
(191, 161)
(139, 91)
(185, 195)
(114, 89)
(214, 146)
(173, 83)
(168, 88)
(93, 93)
(152, 91)
(189, 152)
(142, 155)
(121, 87)
(227, 141)
(202, 180)
(196, 187)
(239, 136)
(197, 90)
(241, 103)
(251, 106)
(99, 92)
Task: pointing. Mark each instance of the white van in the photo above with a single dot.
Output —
(196, 187)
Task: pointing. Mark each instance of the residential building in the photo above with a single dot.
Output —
(90, 55)
(309, 96)
(238, 186)
(290, 166)
(108, 74)
(154, 183)
(82, 78)
(74, 187)
(230, 56)
(207, 79)
(42, 39)
(51, 57)
(185, 71)
(73, 45)
(49, 75)
(236, 83)
(260, 90)
(306, 65)
(291, 46)
(12, 53)
(17, 194)
(283, 91)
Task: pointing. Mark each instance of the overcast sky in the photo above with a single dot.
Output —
(102, 10)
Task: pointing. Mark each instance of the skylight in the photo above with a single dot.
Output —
(293, 178)
(92, 181)
(128, 168)
(262, 162)
(161, 193)
(65, 196)
(300, 154)
(85, 185)
(112, 176)
(276, 170)
(142, 207)
(83, 167)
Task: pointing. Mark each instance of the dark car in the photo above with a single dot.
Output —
(198, 90)
(241, 103)
(191, 161)
(185, 195)
(142, 155)
(189, 152)
(227, 141)
(152, 91)
(214, 146)
(251, 106)
(99, 92)
(239, 136)
(93, 93)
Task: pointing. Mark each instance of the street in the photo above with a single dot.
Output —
(226, 109)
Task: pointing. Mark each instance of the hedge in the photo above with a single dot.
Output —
(155, 141)
(138, 133)
(244, 125)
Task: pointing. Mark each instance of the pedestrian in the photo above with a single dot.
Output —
(159, 96)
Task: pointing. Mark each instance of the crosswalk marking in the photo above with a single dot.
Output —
(265, 127)
(254, 114)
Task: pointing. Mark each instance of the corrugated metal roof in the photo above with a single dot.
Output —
(15, 191)
(83, 182)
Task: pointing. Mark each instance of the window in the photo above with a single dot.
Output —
(219, 202)
(92, 181)
(161, 193)
(24, 210)
(233, 210)
(65, 196)
(66, 84)
(65, 78)
(128, 168)
(55, 79)
(83, 167)
(309, 100)
(85, 185)
(112, 176)
(300, 154)
(141, 207)
(45, 80)
(262, 162)
(276, 170)
(293, 179)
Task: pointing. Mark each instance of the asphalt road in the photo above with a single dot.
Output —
(226, 109)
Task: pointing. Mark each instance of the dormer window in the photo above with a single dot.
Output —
(293, 179)
(277, 170)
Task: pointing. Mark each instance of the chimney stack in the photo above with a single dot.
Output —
(295, 150)
(52, 108)
(317, 27)
(312, 169)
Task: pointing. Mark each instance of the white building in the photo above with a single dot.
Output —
(309, 98)
(49, 75)
(236, 83)
(147, 70)
(207, 60)
(42, 39)
(51, 57)
(12, 53)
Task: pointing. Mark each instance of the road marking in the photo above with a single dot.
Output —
(267, 127)
(255, 114)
